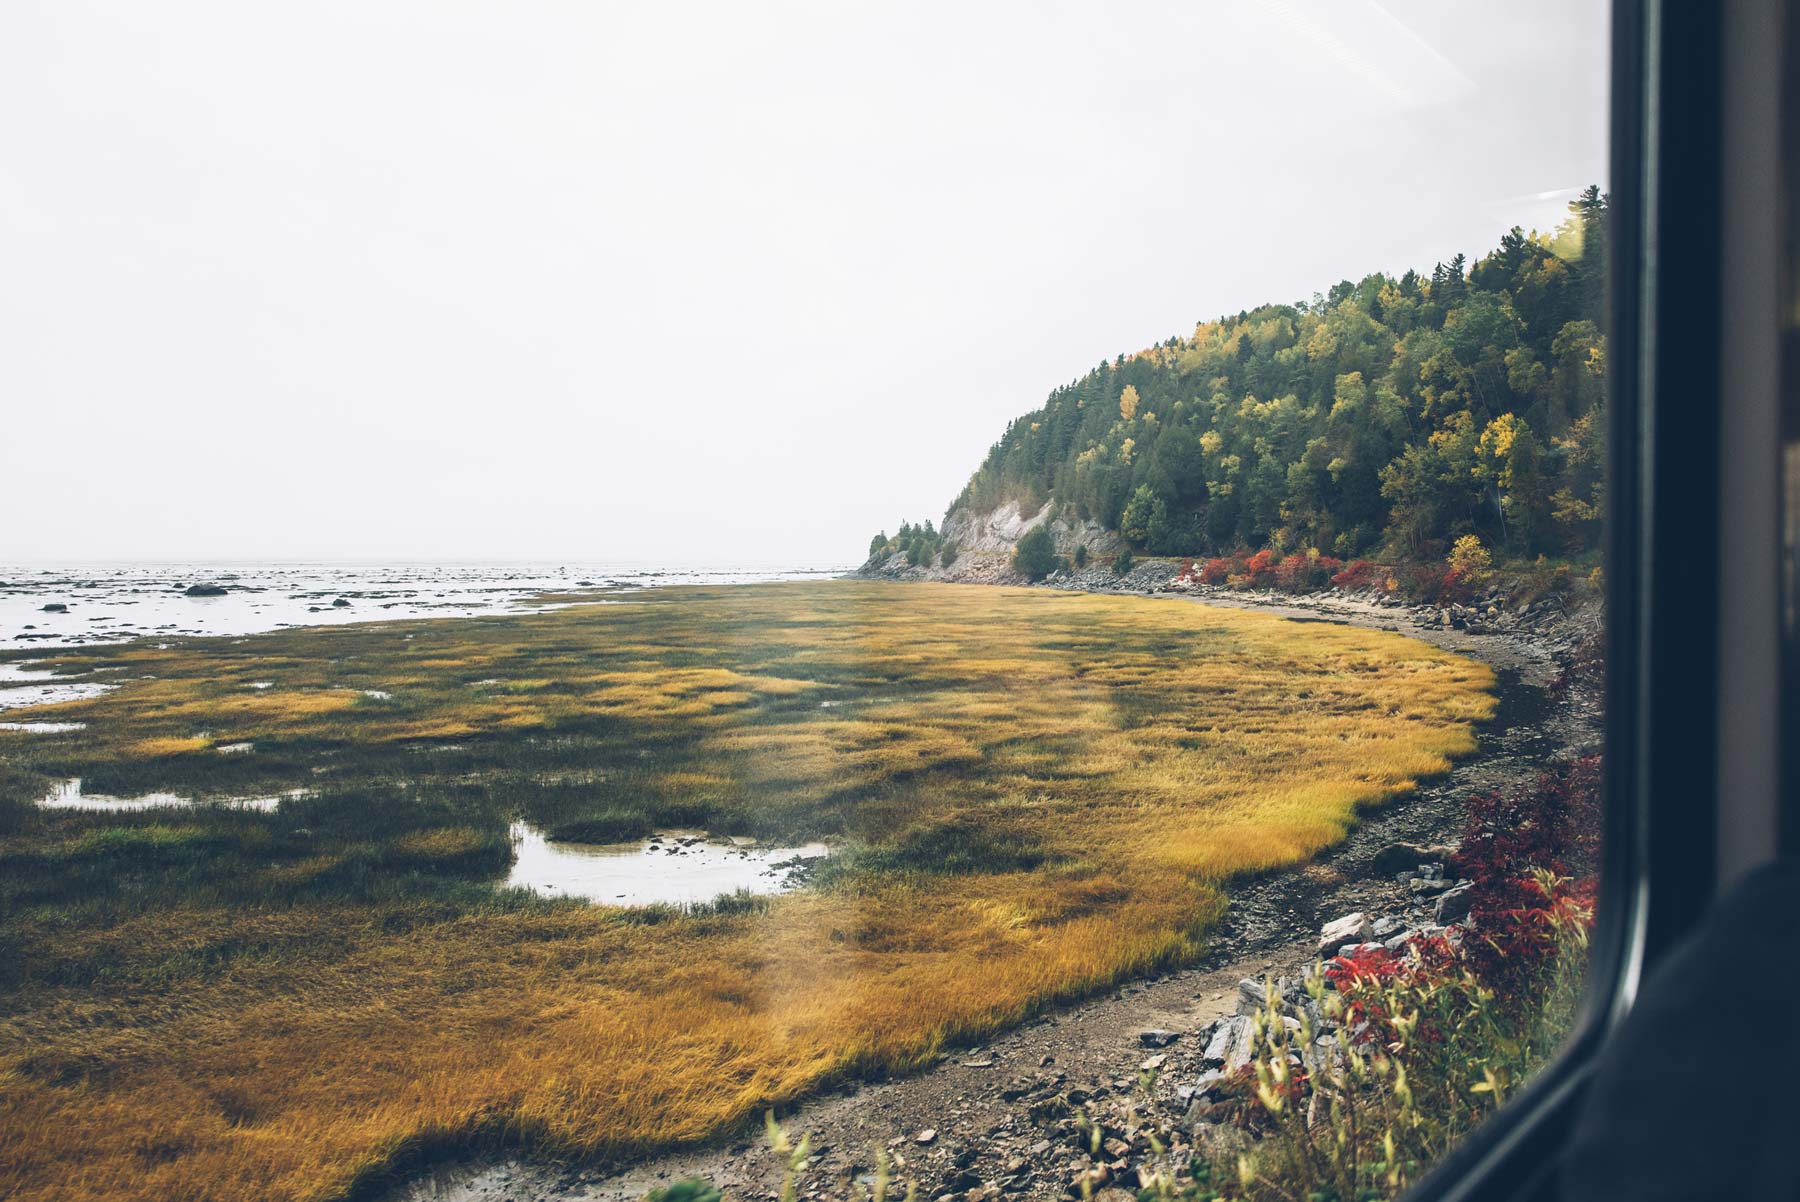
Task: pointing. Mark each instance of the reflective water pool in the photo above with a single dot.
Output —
(21, 686)
(69, 796)
(670, 868)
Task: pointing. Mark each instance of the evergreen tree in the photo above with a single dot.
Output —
(1035, 556)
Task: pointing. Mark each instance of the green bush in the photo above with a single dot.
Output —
(694, 1189)
(1123, 562)
(1081, 556)
(947, 556)
(1035, 557)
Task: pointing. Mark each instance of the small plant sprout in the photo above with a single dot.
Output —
(883, 1181)
(793, 1156)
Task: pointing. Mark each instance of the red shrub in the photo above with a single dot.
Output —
(1360, 979)
(1554, 825)
(1217, 570)
(1304, 573)
(1260, 569)
(1455, 588)
(1360, 574)
(1421, 582)
(1291, 574)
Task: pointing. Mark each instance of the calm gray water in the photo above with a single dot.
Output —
(114, 603)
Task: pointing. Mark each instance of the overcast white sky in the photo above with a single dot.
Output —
(729, 283)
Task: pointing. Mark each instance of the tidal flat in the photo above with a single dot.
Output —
(1026, 796)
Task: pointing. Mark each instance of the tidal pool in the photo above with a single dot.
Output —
(22, 686)
(69, 796)
(680, 868)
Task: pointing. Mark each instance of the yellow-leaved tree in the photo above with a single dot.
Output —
(1470, 560)
(1128, 402)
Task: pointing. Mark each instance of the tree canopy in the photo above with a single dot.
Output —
(1389, 415)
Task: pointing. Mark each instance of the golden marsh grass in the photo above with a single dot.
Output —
(1034, 794)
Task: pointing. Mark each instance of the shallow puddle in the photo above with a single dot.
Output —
(21, 686)
(69, 796)
(680, 868)
(44, 728)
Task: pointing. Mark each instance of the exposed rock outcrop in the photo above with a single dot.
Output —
(1001, 530)
(983, 545)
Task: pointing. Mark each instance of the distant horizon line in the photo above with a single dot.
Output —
(426, 561)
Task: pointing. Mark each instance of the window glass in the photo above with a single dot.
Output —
(793, 600)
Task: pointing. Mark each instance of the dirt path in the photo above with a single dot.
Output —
(997, 1113)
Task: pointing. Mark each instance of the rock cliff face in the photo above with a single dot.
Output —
(985, 542)
(1002, 529)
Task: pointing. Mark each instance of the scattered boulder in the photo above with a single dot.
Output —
(340, 603)
(1396, 858)
(56, 607)
(1351, 928)
(1232, 1043)
(1158, 1038)
(1453, 904)
(205, 590)
(926, 1136)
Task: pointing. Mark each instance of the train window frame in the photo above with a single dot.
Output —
(1662, 621)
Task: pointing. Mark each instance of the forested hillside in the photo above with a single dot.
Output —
(1387, 417)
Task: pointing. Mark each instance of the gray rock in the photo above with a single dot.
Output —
(1453, 905)
(1158, 1038)
(1396, 858)
(205, 590)
(1351, 928)
(1231, 1045)
(1252, 996)
(56, 607)
(1384, 926)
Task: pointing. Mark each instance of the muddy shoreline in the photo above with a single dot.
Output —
(977, 1103)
